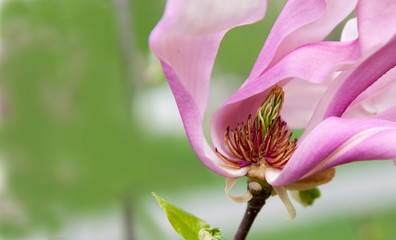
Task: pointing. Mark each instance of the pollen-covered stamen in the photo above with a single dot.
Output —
(266, 138)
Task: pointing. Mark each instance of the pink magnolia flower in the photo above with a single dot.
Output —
(330, 88)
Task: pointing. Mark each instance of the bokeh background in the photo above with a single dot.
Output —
(89, 128)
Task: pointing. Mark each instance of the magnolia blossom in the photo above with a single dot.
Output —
(340, 92)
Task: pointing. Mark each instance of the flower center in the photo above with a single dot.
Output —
(264, 140)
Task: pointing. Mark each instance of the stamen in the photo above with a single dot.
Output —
(266, 144)
(276, 159)
(229, 144)
(241, 136)
(279, 150)
(244, 153)
(280, 161)
(226, 160)
(266, 138)
(249, 126)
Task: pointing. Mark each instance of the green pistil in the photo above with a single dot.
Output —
(270, 109)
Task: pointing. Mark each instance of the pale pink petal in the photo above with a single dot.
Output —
(189, 44)
(376, 22)
(322, 56)
(327, 97)
(375, 99)
(301, 99)
(388, 114)
(350, 31)
(338, 141)
(301, 22)
(186, 41)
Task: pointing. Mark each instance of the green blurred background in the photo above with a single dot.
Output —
(88, 129)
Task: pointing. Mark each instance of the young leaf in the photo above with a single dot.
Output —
(185, 224)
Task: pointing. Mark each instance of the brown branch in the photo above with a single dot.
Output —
(254, 206)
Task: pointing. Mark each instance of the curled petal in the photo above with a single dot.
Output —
(362, 78)
(282, 193)
(348, 85)
(192, 119)
(186, 41)
(337, 141)
(239, 199)
(271, 174)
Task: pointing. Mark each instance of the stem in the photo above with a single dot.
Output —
(127, 209)
(253, 207)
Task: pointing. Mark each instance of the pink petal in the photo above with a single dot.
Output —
(301, 22)
(186, 41)
(323, 57)
(337, 141)
(374, 19)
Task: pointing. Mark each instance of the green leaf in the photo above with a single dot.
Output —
(185, 224)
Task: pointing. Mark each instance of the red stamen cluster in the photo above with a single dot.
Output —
(247, 143)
